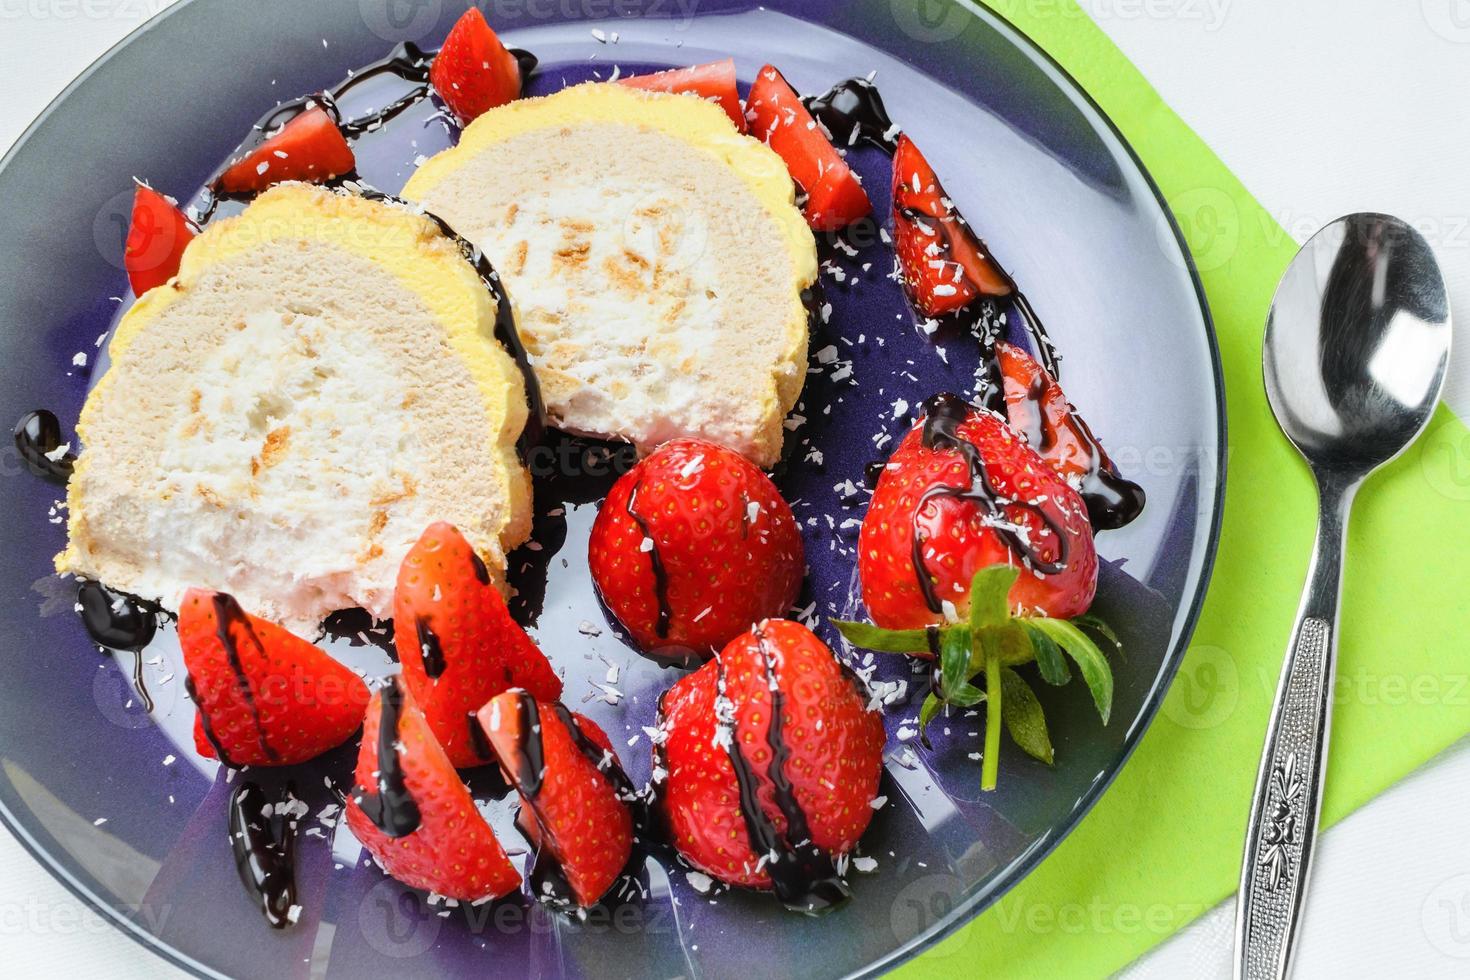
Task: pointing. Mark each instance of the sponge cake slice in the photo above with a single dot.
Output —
(656, 255)
(281, 421)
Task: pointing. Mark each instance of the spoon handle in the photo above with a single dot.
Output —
(1282, 832)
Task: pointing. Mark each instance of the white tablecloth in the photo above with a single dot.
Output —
(1321, 107)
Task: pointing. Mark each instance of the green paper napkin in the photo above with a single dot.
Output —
(1164, 844)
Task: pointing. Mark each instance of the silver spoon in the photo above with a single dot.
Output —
(1357, 343)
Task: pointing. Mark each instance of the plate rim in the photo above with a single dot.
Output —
(972, 906)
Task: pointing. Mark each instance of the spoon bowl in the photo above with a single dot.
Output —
(1357, 343)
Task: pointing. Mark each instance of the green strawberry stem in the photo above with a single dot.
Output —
(990, 767)
(992, 641)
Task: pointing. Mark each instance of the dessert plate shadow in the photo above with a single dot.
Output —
(115, 802)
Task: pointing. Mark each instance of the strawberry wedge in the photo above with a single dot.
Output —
(714, 81)
(157, 236)
(310, 147)
(473, 72)
(944, 263)
(777, 115)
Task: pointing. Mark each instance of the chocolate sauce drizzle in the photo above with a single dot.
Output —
(547, 876)
(660, 572)
(1113, 501)
(430, 648)
(390, 806)
(853, 110)
(943, 415)
(264, 849)
(120, 622)
(227, 613)
(803, 876)
(36, 434)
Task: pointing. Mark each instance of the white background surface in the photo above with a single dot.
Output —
(1321, 107)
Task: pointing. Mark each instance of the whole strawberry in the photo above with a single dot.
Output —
(574, 796)
(963, 492)
(772, 760)
(692, 546)
(457, 642)
(265, 696)
(412, 813)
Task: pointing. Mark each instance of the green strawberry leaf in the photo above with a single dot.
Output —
(1049, 659)
(1090, 622)
(1024, 719)
(871, 637)
(927, 712)
(990, 591)
(954, 668)
(1090, 660)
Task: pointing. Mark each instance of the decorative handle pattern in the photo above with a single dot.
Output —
(1284, 814)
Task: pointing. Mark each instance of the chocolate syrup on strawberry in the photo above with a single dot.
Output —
(853, 110)
(944, 413)
(37, 434)
(660, 573)
(803, 876)
(264, 847)
(431, 649)
(227, 613)
(547, 877)
(120, 622)
(1112, 500)
(478, 740)
(390, 806)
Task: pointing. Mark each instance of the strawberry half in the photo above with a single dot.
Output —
(944, 264)
(309, 147)
(457, 642)
(412, 813)
(714, 81)
(1039, 411)
(473, 72)
(265, 696)
(773, 761)
(158, 233)
(963, 492)
(777, 115)
(574, 795)
(692, 546)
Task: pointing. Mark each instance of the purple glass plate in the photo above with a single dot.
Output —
(1027, 157)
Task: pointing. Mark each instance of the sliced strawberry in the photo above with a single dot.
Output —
(574, 795)
(692, 546)
(962, 492)
(310, 147)
(157, 235)
(412, 813)
(714, 81)
(944, 263)
(457, 642)
(473, 72)
(777, 115)
(772, 761)
(1039, 411)
(265, 697)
